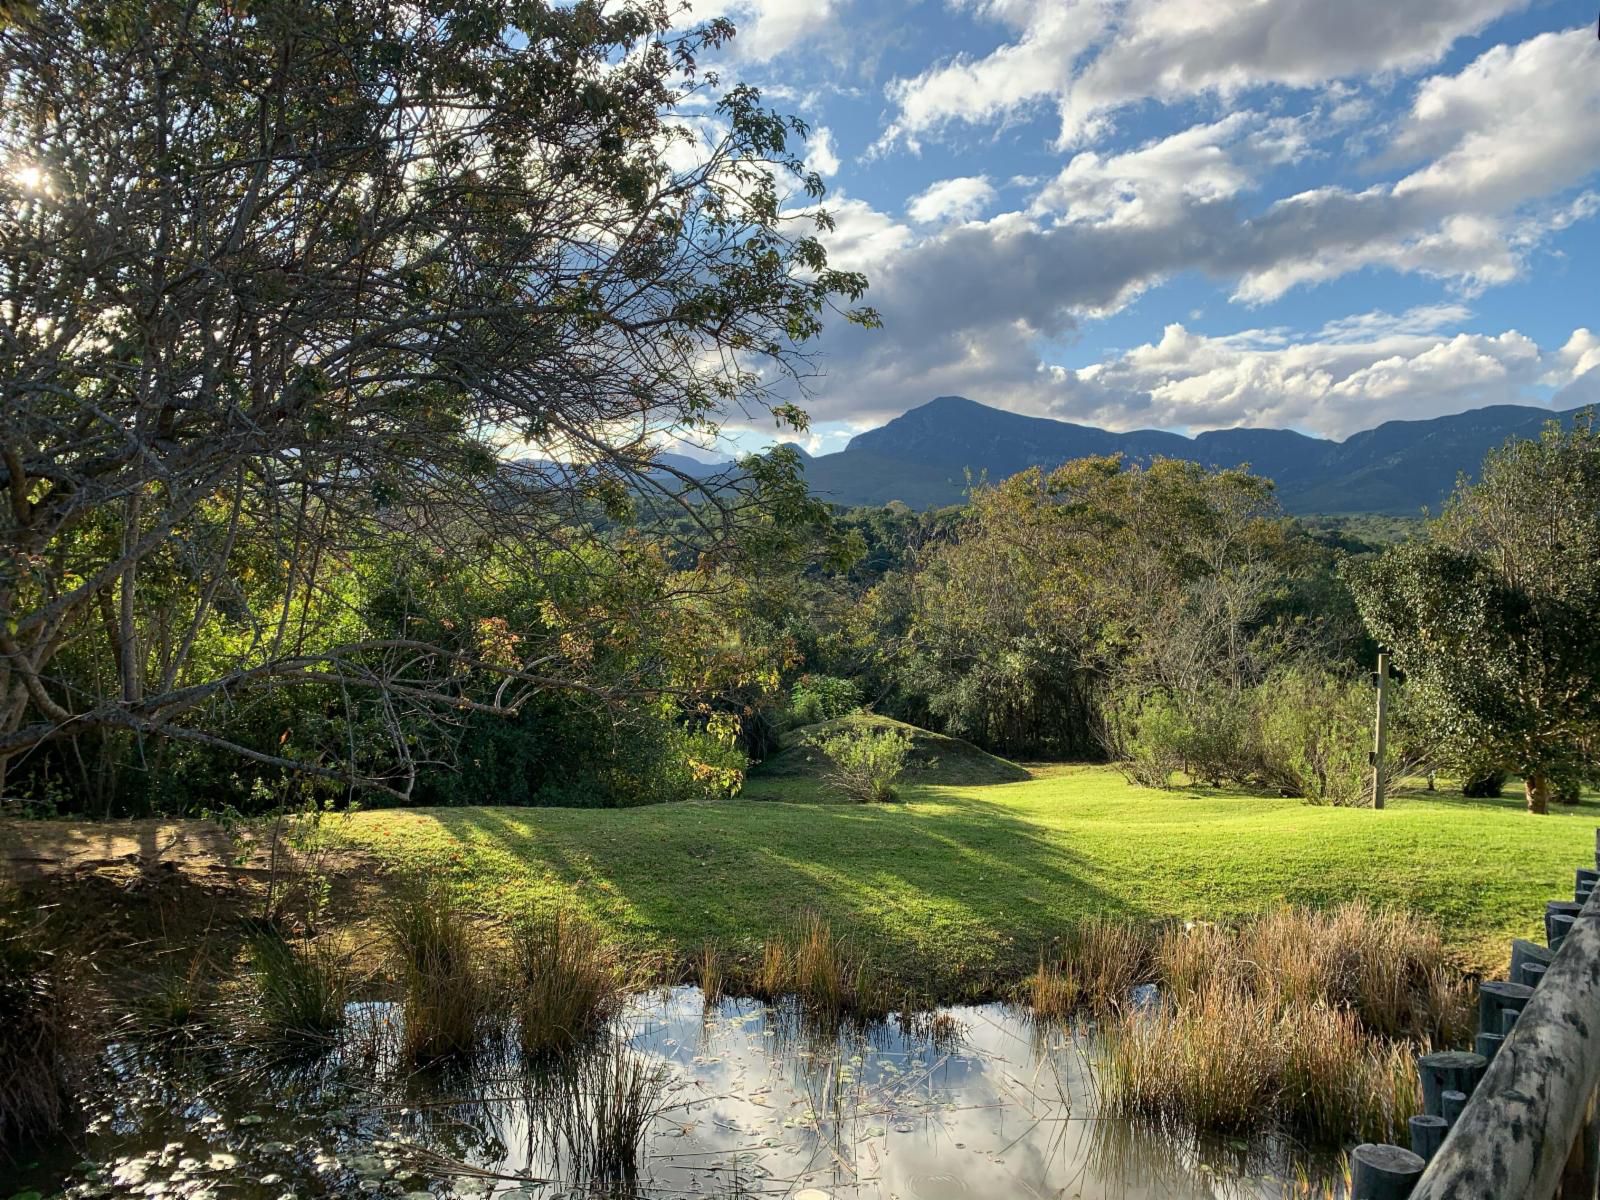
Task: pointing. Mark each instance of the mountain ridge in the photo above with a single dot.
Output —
(923, 456)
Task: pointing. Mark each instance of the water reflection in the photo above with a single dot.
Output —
(743, 1100)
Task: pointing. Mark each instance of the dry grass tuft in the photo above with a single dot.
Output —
(812, 963)
(710, 973)
(42, 1031)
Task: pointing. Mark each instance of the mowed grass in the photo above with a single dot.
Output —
(957, 890)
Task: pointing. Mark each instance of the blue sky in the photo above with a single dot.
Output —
(1194, 214)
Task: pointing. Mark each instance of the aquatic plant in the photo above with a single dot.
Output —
(446, 991)
(41, 1030)
(300, 988)
(710, 972)
(822, 970)
(566, 982)
(595, 1108)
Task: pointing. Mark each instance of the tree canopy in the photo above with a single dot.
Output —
(292, 287)
(1493, 613)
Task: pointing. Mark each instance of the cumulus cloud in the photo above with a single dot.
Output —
(1091, 57)
(968, 303)
(959, 199)
(767, 28)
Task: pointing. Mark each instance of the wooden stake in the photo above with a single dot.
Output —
(1380, 730)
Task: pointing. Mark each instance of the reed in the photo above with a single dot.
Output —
(301, 989)
(566, 982)
(446, 991)
(42, 1031)
(710, 973)
(822, 970)
(596, 1108)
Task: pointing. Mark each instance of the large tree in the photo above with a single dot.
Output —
(285, 281)
(1494, 614)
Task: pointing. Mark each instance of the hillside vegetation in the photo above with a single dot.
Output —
(794, 772)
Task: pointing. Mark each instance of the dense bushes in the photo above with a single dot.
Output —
(40, 1031)
(1303, 731)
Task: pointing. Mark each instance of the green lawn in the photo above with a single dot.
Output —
(959, 887)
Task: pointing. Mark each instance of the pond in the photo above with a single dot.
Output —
(747, 1100)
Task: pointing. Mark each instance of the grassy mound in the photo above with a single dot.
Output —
(935, 758)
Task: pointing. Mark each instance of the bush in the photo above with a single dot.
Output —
(1483, 784)
(1315, 730)
(1206, 735)
(816, 698)
(864, 763)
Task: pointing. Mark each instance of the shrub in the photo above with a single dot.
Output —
(864, 763)
(816, 698)
(1483, 784)
(567, 983)
(1206, 735)
(445, 991)
(1315, 732)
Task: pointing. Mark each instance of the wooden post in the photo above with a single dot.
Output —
(1524, 952)
(1427, 1135)
(1497, 996)
(1453, 1102)
(1488, 1044)
(1559, 925)
(1446, 1071)
(1380, 731)
(1532, 973)
(1383, 1172)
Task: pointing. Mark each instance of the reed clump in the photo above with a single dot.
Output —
(566, 982)
(597, 1107)
(1227, 1060)
(710, 972)
(301, 988)
(1096, 967)
(446, 990)
(822, 970)
(1391, 972)
(43, 1040)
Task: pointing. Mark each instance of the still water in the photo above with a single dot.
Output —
(968, 1102)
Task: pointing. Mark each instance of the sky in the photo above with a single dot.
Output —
(1196, 214)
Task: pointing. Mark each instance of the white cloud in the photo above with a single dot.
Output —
(767, 28)
(961, 199)
(1091, 57)
(821, 156)
(1329, 386)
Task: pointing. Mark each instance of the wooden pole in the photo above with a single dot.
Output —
(1380, 729)
(1383, 1172)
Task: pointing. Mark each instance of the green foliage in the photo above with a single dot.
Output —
(1492, 615)
(1303, 731)
(1315, 734)
(301, 988)
(865, 762)
(815, 698)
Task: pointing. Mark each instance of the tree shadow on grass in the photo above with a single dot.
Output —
(943, 895)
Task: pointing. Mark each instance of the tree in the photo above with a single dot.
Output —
(1494, 615)
(1058, 584)
(288, 281)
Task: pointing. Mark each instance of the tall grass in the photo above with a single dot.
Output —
(41, 1031)
(1227, 1060)
(446, 990)
(596, 1108)
(829, 977)
(566, 982)
(300, 989)
(1388, 970)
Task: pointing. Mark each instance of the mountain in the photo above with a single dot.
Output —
(923, 457)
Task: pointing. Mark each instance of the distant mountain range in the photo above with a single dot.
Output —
(922, 457)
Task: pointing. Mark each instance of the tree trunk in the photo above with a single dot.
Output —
(1536, 786)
